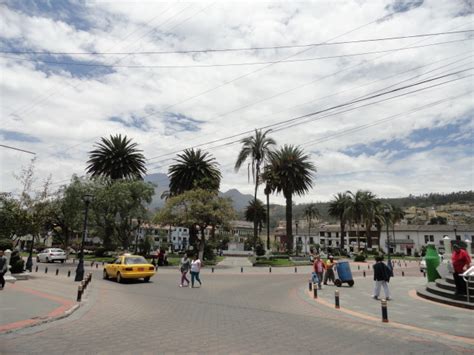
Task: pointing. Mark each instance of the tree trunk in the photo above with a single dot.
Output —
(268, 221)
(255, 221)
(342, 235)
(358, 237)
(368, 236)
(202, 244)
(289, 222)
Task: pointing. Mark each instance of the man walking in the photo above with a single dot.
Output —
(329, 274)
(461, 261)
(3, 269)
(318, 268)
(382, 275)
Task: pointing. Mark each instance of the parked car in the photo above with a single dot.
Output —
(129, 266)
(50, 255)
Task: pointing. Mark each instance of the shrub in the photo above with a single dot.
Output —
(100, 252)
(16, 262)
(260, 249)
(6, 244)
(360, 257)
(209, 252)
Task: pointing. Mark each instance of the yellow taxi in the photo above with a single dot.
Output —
(129, 266)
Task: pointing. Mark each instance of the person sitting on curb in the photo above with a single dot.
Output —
(461, 261)
(382, 275)
(318, 268)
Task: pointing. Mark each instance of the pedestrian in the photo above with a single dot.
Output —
(382, 275)
(195, 270)
(461, 261)
(3, 269)
(318, 268)
(329, 274)
(185, 265)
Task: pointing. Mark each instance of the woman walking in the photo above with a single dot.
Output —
(185, 265)
(195, 270)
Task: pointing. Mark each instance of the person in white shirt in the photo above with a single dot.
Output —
(195, 270)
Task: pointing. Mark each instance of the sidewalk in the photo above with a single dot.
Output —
(40, 299)
(405, 309)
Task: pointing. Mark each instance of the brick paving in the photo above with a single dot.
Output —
(232, 313)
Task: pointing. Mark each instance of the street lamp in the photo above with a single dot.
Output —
(29, 262)
(80, 266)
(386, 211)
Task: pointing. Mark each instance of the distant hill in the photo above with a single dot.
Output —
(161, 182)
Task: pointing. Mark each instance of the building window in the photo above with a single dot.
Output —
(311, 240)
(458, 237)
(408, 237)
(427, 239)
(329, 234)
(321, 234)
(431, 238)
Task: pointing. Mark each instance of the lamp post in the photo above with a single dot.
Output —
(29, 262)
(386, 211)
(80, 266)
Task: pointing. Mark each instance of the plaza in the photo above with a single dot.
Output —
(248, 310)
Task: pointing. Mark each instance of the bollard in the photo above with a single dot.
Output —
(46, 270)
(96, 266)
(336, 299)
(79, 293)
(57, 272)
(212, 269)
(383, 302)
(368, 267)
(310, 286)
(364, 273)
(270, 269)
(358, 267)
(405, 264)
(73, 261)
(296, 269)
(424, 273)
(36, 269)
(92, 264)
(83, 285)
(103, 263)
(315, 291)
(403, 273)
(69, 273)
(241, 269)
(90, 277)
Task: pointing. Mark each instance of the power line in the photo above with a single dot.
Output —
(211, 50)
(291, 120)
(18, 149)
(221, 65)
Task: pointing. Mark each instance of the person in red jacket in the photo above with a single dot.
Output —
(461, 261)
(319, 267)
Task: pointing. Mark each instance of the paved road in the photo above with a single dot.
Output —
(231, 313)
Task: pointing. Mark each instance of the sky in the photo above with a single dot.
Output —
(75, 71)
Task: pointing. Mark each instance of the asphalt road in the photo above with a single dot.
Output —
(230, 313)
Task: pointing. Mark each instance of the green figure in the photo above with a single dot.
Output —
(432, 262)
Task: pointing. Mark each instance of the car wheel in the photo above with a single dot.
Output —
(105, 276)
(62, 261)
(37, 259)
(146, 279)
(119, 278)
(47, 260)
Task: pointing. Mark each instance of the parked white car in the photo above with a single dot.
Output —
(50, 255)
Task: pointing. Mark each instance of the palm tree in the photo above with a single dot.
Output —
(354, 211)
(338, 209)
(255, 148)
(369, 210)
(269, 180)
(396, 216)
(116, 158)
(194, 169)
(311, 212)
(293, 173)
(256, 209)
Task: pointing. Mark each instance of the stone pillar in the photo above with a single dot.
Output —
(8, 276)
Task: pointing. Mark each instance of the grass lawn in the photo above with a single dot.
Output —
(278, 263)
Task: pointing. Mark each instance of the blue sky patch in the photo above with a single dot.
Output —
(177, 122)
(450, 135)
(18, 136)
(132, 122)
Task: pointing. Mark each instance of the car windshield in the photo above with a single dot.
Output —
(135, 260)
(57, 250)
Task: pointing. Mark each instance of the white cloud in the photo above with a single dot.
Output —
(69, 113)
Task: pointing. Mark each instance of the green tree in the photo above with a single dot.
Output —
(338, 209)
(270, 182)
(293, 174)
(192, 169)
(255, 148)
(116, 158)
(369, 210)
(354, 211)
(256, 209)
(198, 209)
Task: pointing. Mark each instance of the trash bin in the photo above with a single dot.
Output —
(344, 273)
(432, 262)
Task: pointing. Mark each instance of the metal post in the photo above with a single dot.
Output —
(79, 293)
(310, 286)
(57, 272)
(364, 273)
(270, 269)
(315, 291)
(80, 267)
(296, 269)
(69, 273)
(96, 266)
(241, 269)
(403, 273)
(46, 270)
(336, 299)
(36, 269)
(212, 269)
(383, 302)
